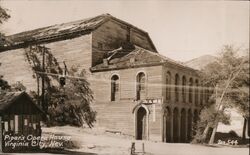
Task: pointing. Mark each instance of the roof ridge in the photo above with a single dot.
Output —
(70, 29)
(105, 15)
(165, 58)
(64, 23)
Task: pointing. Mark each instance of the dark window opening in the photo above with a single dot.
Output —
(140, 90)
(114, 87)
(168, 86)
(177, 87)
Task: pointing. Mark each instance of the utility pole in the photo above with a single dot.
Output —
(62, 81)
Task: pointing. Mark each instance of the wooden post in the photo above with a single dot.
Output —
(143, 149)
(1, 134)
(43, 80)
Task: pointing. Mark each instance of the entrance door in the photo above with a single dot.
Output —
(141, 123)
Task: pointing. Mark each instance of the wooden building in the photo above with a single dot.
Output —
(137, 91)
(20, 117)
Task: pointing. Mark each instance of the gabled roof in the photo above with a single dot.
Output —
(131, 58)
(8, 98)
(66, 30)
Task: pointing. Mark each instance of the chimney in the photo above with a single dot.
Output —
(105, 62)
(132, 60)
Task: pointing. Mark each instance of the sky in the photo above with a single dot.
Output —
(181, 30)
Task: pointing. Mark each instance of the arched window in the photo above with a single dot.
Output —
(190, 91)
(140, 86)
(168, 86)
(177, 82)
(114, 87)
(196, 92)
(184, 83)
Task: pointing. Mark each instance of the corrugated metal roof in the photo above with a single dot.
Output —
(64, 30)
(58, 29)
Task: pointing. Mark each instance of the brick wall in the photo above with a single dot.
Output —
(117, 115)
(127, 78)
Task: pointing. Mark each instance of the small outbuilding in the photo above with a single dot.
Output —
(20, 118)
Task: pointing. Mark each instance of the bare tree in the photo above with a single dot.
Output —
(223, 75)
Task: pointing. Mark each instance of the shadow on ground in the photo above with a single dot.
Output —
(67, 152)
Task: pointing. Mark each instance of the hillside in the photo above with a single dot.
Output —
(200, 62)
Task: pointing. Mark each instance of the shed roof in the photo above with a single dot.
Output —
(122, 58)
(8, 98)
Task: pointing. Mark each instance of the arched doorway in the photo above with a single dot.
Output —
(141, 124)
(176, 126)
(183, 126)
(189, 128)
(167, 121)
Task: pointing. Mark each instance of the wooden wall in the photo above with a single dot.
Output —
(14, 68)
(112, 34)
(75, 51)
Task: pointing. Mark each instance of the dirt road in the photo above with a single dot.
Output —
(97, 141)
